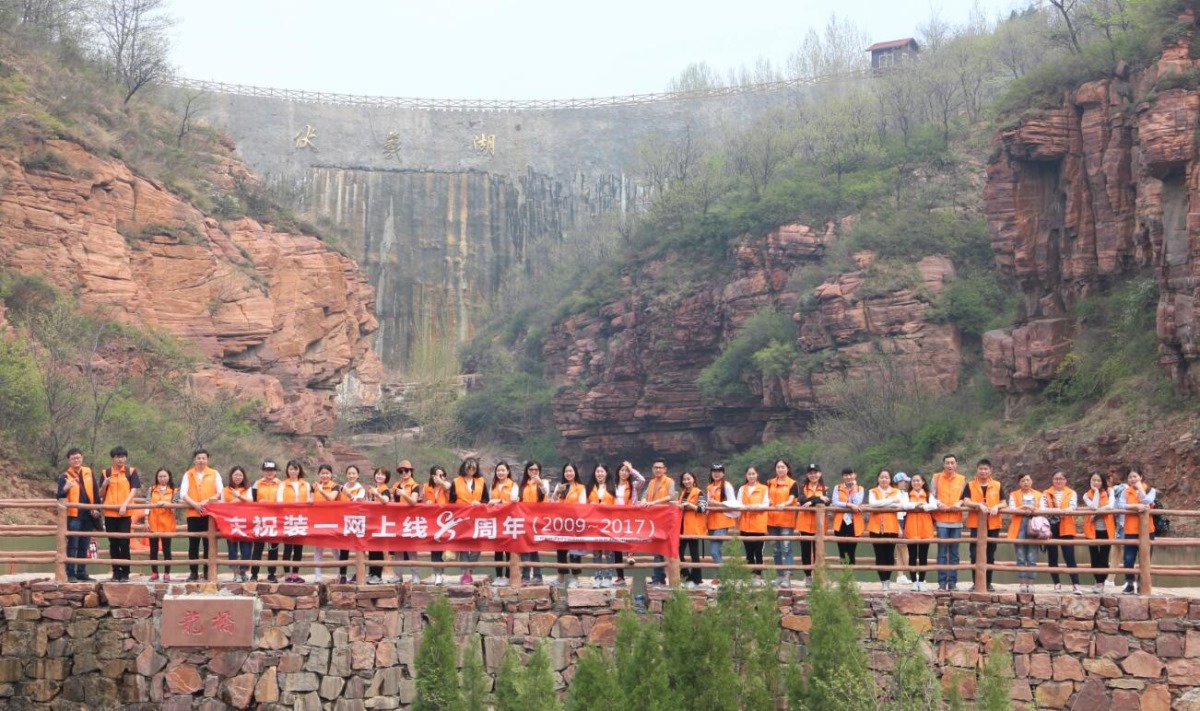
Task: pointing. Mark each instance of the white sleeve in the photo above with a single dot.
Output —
(732, 500)
(220, 485)
(873, 501)
(279, 492)
(183, 487)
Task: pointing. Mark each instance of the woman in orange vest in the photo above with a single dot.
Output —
(1138, 496)
(885, 524)
(534, 490)
(351, 490)
(783, 493)
(1059, 496)
(436, 492)
(406, 492)
(379, 493)
(469, 489)
(294, 490)
(201, 485)
(266, 489)
(161, 520)
(600, 494)
(1098, 499)
(918, 524)
(848, 495)
(722, 512)
(569, 491)
(237, 490)
(504, 491)
(694, 523)
(325, 491)
(118, 487)
(1028, 501)
(812, 494)
(752, 523)
(627, 492)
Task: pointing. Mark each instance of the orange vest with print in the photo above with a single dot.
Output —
(1014, 502)
(576, 494)
(885, 521)
(352, 492)
(202, 486)
(1089, 522)
(435, 494)
(227, 494)
(838, 519)
(267, 490)
(531, 493)
(502, 491)
(753, 521)
(695, 523)
(327, 489)
(1054, 499)
(718, 520)
(462, 490)
(991, 497)
(778, 492)
(83, 478)
(949, 493)
(118, 489)
(410, 487)
(297, 492)
(658, 488)
(1133, 524)
(161, 520)
(918, 524)
(806, 520)
(601, 495)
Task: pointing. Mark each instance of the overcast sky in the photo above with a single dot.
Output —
(532, 49)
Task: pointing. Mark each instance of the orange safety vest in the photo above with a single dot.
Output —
(502, 490)
(657, 488)
(410, 487)
(1052, 499)
(601, 495)
(119, 486)
(267, 490)
(778, 492)
(949, 494)
(83, 478)
(718, 520)
(326, 488)
(576, 494)
(991, 497)
(162, 520)
(885, 521)
(352, 492)
(1014, 502)
(463, 492)
(1133, 522)
(532, 493)
(838, 519)
(296, 492)
(695, 523)
(806, 520)
(435, 494)
(753, 521)
(227, 494)
(918, 524)
(1089, 522)
(202, 486)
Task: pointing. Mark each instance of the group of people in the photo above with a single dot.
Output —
(900, 507)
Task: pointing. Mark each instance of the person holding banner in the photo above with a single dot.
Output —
(569, 491)
(437, 491)
(352, 490)
(534, 490)
(599, 493)
(469, 489)
(660, 491)
(266, 489)
(201, 486)
(295, 490)
(238, 490)
(407, 492)
(379, 493)
(628, 491)
(504, 490)
(325, 491)
(752, 523)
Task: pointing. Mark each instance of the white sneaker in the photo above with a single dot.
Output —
(605, 583)
(887, 586)
(500, 583)
(902, 579)
(438, 579)
(572, 583)
(395, 580)
(785, 583)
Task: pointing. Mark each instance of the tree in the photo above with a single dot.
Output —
(436, 663)
(913, 684)
(698, 655)
(840, 49)
(54, 19)
(131, 37)
(54, 342)
(537, 688)
(510, 681)
(1067, 10)
(193, 103)
(838, 675)
(473, 679)
(696, 77)
(594, 687)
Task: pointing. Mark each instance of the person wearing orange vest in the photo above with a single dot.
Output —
(848, 495)
(752, 523)
(782, 493)
(600, 494)
(885, 524)
(1061, 497)
(78, 486)
(628, 491)
(1136, 498)
(238, 489)
(325, 491)
(918, 524)
(351, 490)
(161, 520)
(436, 492)
(119, 486)
(379, 493)
(406, 492)
(946, 489)
(534, 490)
(694, 523)
(812, 494)
(571, 490)
(266, 489)
(1029, 501)
(294, 490)
(722, 512)
(660, 491)
(504, 490)
(201, 485)
(469, 489)
(1098, 499)
(984, 497)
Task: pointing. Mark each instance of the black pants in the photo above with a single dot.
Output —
(619, 560)
(885, 552)
(1099, 558)
(846, 551)
(918, 554)
(502, 558)
(155, 544)
(692, 546)
(565, 557)
(293, 552)
(993, 541)
(806, 554)
(118, 548)
(197, 524)
(272, 554)
(754, 550)
(375, 570)
(1068, 554)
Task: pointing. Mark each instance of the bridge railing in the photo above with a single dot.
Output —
(1146, 570)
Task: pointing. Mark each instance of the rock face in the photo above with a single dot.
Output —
(1098, 190)
(629, 369)
(278, 317)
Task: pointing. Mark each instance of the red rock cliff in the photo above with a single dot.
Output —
(278, 317)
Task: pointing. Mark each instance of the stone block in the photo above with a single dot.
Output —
(238, 692)
(1156, 697)
(318, 635)
(1133, 608)
(1050, 636)
(267, 689)
(1184, 672)
(567, 626)
(1068, 668)
(1142, 665)
(1092, 696)
(184, 679)
(1053, 694)
(1103, 667)
(331, 687)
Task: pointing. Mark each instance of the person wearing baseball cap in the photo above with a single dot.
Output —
(901, 481)
(266, 489)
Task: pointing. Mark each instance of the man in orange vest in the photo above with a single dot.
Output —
(946, 488)
(660, 491)
(201, 486)
(119, 487)
(78, 486)
(984, 497)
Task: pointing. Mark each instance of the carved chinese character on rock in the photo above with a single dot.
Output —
(305, 136)
(208, 621)
(391, 146)
(484, 143)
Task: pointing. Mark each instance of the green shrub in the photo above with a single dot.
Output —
(594, 686)
(1189, 80)
(913, 685)
(976, 303)
(723, 379)
(436, 664)
(508, 408)
(763, 457)
(838, 675)
(46, 160)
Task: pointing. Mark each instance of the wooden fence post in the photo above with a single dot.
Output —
(673, 571)
(210, 535)
(514, 570)
(360, 567)
(980, 543)
(1144, 583)
(60, 546)
(818, 557)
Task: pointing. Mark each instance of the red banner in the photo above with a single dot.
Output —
(512, 528)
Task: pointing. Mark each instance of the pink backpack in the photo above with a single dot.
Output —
(1039, 527)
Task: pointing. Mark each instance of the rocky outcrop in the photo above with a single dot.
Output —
(275, 316)
(1093, 192)
(628, 371)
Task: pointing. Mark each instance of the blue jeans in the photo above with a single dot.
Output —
(947, 554)
(534, 557)
(1131, 554)
(783, 550)
(77, 546)
(1027, 555)
(714, 547)
(659, 575)
(240, 550)
(603, 557)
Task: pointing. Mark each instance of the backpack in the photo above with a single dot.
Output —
(1162, 524)
(1039, 527)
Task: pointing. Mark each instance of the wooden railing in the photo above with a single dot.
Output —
(1146, 570)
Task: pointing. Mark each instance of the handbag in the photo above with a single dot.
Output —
(1039, 527)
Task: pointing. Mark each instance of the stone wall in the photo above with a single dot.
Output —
(98, 646)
